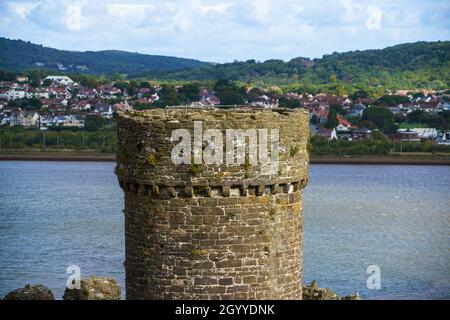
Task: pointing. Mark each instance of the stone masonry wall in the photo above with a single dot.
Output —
(211, 231)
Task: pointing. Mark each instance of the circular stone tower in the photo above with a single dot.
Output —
(212, 231)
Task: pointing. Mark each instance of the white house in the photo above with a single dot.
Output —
(13, 94)
(74, 121)
(23, 118)
(29, 119)
(426, 133)
(445, 139)
(4, 120)
(342, 128)
(45, 121)
(59, 120)
(60, 79)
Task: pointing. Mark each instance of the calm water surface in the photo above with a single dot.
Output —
(55, 214)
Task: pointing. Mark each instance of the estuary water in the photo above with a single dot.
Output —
(393, 218)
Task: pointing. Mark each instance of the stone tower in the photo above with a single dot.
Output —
(220, 231)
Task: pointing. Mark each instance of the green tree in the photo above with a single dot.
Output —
(332, 121)
(416, 116)
(93, 122)
(288, 103)
(141, 106)
(340, 91)
(392, 100)
(332, 78)
(359, 94)
(339, 109)
(190, 92)
(230, 97)
(228, 92)
(168, 96)
(383, 118)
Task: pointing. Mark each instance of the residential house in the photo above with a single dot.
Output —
(104, 109)
(406, 135)
(396, 109)
(86, 93)
(445, 138)
(344, 123)
(59, 120)
(122, 106)
(265, 102)
(12, 94)
(109, 92)
(40, 94)
(313, 129)
(65, 80)
(4, 120)
(23, 118)
(59, 93)
(361, 133)
(28, 119)
(45, 121)
(328, 133)
(22, 79)
(74, 121)
(14, 118)
(357, 110)
(426, 134)
(321, 114)
(81, 105)
(341, 128)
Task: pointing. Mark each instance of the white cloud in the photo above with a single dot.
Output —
(129, 11)
(220, 8)
(224, 30)
(22, 8)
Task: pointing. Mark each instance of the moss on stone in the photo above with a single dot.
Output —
(293, 150)
(195, 169)
(203, 190)
(272, 213)
(197, 252)
(152, 161)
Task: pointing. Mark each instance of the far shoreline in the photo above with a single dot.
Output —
(397, 159)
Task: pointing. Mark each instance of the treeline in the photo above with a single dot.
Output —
(378, 145)
(18, 55)
(415, 65)
(420, 65)
(19, 138)
(105, 141)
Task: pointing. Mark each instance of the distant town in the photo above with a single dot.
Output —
(57, 102)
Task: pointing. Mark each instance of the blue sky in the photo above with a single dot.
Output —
(225, 30)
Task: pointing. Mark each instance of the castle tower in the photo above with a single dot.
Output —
(211, 231)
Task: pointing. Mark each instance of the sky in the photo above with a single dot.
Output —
(225, 30)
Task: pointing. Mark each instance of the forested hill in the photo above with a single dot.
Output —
(420, 64)
(411, 65)
(18, 55)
